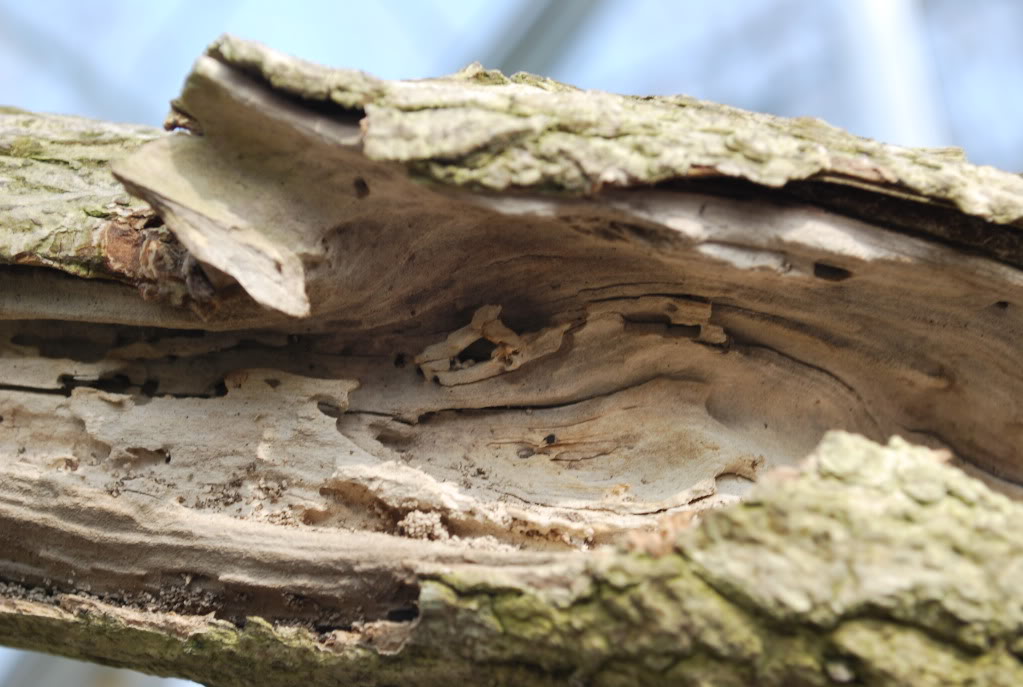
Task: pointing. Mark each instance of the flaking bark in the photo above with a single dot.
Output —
(490, 379)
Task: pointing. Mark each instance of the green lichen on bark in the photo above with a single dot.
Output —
(211, 651)
(56, 189)
(481, 129)
(478, 128)
(875, 566)
(883, 533)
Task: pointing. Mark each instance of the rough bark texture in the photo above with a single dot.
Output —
(471, 378)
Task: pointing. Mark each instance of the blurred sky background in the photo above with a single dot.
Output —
(915, 72)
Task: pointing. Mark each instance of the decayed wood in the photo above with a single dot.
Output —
(877, 565)
(410, 381)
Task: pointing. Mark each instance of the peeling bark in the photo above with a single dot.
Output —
(489, 378)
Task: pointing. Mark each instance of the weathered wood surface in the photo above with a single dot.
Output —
(405, 382)
(875, 566)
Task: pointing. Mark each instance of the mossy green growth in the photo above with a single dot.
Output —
(885, 654)
(56, 170)
(812, 580)
(214, 653)
(580, 141)
(98, 212)
(23, 146)
(639, 619)
(885, 531)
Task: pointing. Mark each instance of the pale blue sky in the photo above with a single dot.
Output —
(917, 72)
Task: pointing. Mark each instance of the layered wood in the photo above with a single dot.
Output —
(374, 358)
